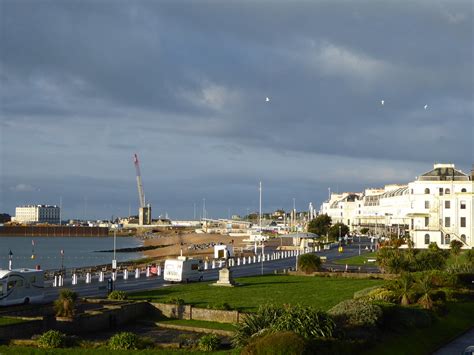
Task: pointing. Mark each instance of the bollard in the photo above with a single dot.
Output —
(88, 278)
(55, 282)
(74, 279)
(254, 259)
(158, 271)
(243, 260)
(125, 274)
(258, 258)
(238, 261)
(137, 273)
(114, 275)
(61, 281)
(148, 271)
(206, 265)
(101, 276)
(213, 265)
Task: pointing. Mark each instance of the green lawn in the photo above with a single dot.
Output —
(358, 260)
(319, 292)
(427, 340)
(198, 324)
(8, 321)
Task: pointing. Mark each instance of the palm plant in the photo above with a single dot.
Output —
(403, 288)
(65, 304)
(425, 287)
(309, 263)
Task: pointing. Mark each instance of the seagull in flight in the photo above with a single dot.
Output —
(382, 102)
(426, 107)
(267, 99)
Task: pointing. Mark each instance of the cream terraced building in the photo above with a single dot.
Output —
(437, 207)
(37, 214)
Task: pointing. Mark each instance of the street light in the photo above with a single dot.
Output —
(10, 258)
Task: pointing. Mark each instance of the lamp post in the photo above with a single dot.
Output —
(114, 260)
(359, 244)
(263, 255)
(62, 260)
(10, 260)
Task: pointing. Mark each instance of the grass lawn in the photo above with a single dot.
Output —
(358, 260)
(320, 292)
(427, 340)
(198, 324)
(8, 321)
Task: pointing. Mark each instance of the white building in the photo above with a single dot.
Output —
(37, 214)
(437, 207)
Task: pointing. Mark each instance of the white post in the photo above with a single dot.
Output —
(125, 274)
(101, 276)
(74, 279)
(250, 260)
(213, 264)
(254, 259)
(148, 271)
(220, 263)
(114, 275)
(206, 265)
(243, 260)
(61, 280)
(159, 270)
(55, 282)
(137, 273)
(88, 278)
(238, 261)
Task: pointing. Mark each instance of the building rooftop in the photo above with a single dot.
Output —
(444, 172)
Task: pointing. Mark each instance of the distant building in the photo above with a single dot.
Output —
(437, 207)
(38, 214)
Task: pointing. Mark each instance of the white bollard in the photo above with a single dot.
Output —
(148, 271)
(268, 257)
(254, 259)
(206, 265)
(213, 264)
(159, 270)
(258, 258)
(74, 279)
(238, 261)
(243, 260)
(114, 275)
(101, 276)
(88, 278)
(61, 280)
(55, 282)
(250, 260)
(125, 274)
(137, 273)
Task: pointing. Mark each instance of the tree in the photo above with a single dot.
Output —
(456, 246)
(320, 225)
(425, 289)
(403, 288)
(364, 230)
(65, 304)
(334, 231)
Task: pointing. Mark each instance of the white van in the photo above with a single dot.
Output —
(21, 286)
(183, 269)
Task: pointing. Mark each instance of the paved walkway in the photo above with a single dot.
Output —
(457, 346)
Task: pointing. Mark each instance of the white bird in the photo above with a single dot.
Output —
(426, 107)
(382, 102)
(267, 99)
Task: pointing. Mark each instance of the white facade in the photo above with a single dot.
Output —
(437, 207)
(38, 214)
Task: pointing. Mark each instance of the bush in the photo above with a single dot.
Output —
(309, 263)
(223, 306)
(117, 295)
(124, 341)
(175, 300)
(279, 343)
(364, 292)
(209, 342)
(52, 339)
(356, 313)
(65, 304)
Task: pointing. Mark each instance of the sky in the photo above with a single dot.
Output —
(84, 85)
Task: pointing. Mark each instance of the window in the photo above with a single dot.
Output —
(463, 238)
(1, 288)
(427, 191)
(447, 204)
(441, 191)
(447, 221)
(427, 239)
(463, 205)
(412, 223)
(463, 190)
(427, 221)
(447, 239)
(447, 191)
(10, 285)
(427, 205)
(463, 221)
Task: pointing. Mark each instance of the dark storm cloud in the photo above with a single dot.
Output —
(184, 82)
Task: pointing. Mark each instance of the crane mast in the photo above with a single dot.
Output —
(141, 195)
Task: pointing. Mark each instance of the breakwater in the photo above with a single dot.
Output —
(54, 231)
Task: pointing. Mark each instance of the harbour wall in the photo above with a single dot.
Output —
(53, 231)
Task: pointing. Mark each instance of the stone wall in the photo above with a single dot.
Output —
(190, 312)
(173, 311)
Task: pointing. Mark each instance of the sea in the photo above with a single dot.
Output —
(45, 252)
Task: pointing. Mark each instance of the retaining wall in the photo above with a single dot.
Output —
(189, 312)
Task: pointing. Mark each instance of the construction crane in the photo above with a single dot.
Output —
(144, 212)
(141, 194)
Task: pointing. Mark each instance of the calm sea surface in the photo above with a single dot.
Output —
(78, 251)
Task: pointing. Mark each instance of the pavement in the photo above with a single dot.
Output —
(458, 345)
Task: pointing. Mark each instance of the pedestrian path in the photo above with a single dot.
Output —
(457, 346)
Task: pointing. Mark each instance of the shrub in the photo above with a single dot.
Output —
(364, 292)
(429, 260)
(124, 341)
(279, 343)
(174, 300)
(52, 339)
(223, 306)
(425, 288)
(470, 256)
(65, 304)
(309, 263)
(356, 313)
(209, 342)
(117, 295)
(403, 288)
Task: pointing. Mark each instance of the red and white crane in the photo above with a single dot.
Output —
(141, 194)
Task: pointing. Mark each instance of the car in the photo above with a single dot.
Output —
(469, 350)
